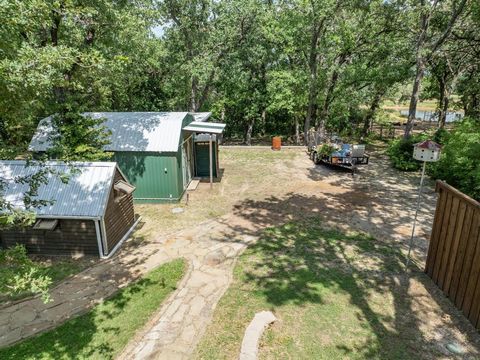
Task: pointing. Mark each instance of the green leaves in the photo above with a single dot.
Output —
(459, 163)
(19, 274)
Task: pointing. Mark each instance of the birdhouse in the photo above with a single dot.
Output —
(426, 151)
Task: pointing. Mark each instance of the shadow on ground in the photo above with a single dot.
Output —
(306, 246)
(102, 332)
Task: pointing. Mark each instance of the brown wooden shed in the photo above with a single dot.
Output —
(91, 214)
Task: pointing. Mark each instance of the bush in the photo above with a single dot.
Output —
(459, 163)
(19, 274)
(400, 152)
(326, 150)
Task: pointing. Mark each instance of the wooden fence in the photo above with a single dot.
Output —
(453, 260)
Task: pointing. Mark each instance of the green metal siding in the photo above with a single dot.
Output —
(188, 119)
(156, 176)
(180, 173)
(202, 159)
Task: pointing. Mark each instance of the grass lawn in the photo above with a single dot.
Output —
(426, 105)
(336, 296)
(104, 331)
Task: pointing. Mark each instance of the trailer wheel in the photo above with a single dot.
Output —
(354, 166)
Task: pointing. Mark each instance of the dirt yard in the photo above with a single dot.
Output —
(272, 188)
(378, 200)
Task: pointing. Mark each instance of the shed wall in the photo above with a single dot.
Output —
(155, 176)
(70, 237)
(119, 216)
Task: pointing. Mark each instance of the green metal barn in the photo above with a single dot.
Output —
(159, 152)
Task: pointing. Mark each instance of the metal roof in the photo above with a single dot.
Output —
(203, 127)
(428, 144)
(201, 116)
(85, 195)
(131, 131)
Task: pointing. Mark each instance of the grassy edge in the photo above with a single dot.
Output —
(105, 330)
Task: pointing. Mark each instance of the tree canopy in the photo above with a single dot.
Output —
(263, 67)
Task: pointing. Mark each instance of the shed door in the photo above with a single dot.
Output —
(202, 159)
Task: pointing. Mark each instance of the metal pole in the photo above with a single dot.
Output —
(211, 160)
(416, 214)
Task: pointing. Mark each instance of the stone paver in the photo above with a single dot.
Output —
(178, 327)
(76, 295)
(249, 349)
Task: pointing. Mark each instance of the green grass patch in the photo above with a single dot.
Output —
(336, 296)
(105, 330)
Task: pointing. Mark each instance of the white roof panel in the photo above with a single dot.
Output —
(205, 127)
(201, 116)
(85, 194)
(131, 131)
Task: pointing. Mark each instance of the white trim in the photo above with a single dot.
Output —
(99, 239)
(120, 171)
(104, 237)
(38, 224)
(122, 240)
(110, 189)
(169, 199)
(197, 129)
(185, 140)
(66, 217)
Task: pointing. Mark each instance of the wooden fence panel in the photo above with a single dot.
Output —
(453, 260)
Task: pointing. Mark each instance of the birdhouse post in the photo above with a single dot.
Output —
(426, 151)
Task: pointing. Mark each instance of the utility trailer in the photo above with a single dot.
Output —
(347, 156)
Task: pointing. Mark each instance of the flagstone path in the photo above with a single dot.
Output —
(211, 250)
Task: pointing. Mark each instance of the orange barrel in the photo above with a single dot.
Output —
(276, 143)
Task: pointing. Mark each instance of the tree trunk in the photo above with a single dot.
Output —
(368, 121)
(329, 97)
(442, 102)
(422, 59)
(193, 95)
(297, 131)
(313, 68)
(412, 110)
(442, 119)
(420, 68)
(441, 99)
(248, 134)
(312, 96)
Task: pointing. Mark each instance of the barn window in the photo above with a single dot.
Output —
(122, 188)
(46, 224)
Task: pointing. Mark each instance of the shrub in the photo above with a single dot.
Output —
(459, 163)
(326, 150)
(19, 274)
(400, 152)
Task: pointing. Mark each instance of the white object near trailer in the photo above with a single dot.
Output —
(426, 151)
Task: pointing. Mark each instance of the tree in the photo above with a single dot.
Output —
(429, 39)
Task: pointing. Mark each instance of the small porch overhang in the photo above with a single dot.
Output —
(211, 130)
(205, 127)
